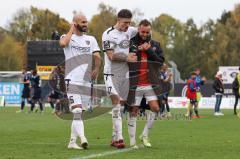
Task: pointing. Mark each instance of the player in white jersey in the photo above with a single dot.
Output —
(116, 47)
(79, 49)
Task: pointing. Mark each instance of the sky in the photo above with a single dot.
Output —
(199, 10)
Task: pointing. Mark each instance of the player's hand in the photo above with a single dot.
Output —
(131, 57)
(95, 73)
(144, 47)
(72, 28)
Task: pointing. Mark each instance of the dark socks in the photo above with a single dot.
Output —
(52, 104)
(22, 105)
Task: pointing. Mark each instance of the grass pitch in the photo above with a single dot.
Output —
(45, 136)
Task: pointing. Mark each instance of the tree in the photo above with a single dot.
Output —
(225, 16)
(12, 54)
(20, 26)
(225, 48)
(168, 29)
(45, 22)
(101, 21)
(34, 23)
(185, 43)
(207, 32)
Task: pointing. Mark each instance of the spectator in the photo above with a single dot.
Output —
(219, 90)
(236, 91)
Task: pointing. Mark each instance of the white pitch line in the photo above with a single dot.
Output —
(107, 153)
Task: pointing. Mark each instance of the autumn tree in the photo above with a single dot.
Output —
(36, 24)
(12, 53)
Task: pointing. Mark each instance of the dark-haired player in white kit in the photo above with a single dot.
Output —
(116, 41)
(79, 49)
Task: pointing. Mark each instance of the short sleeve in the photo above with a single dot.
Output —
(94, 45)
(106, 42)
(132, 31)
(62, 36)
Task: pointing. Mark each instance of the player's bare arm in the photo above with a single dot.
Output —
(121, 57)
(66, 39)
(97, 64)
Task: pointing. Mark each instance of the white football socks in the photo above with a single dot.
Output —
(150, 120)
(77, 129)
(117, 121)
(132, 129)
(73, 133)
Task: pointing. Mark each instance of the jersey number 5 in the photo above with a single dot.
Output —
(71, 100)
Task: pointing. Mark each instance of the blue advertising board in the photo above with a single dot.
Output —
(11, 91)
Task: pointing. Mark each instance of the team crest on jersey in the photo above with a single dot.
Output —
(87, 42)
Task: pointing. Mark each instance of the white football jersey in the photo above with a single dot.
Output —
(78, 58)
(113, 39)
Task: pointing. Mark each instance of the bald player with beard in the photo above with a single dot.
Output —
(79, 49)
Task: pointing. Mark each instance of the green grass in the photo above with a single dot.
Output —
(45, 136)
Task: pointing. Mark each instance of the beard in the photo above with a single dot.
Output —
(146, 38)
(81, 28)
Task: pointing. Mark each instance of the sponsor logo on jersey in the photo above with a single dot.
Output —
(124, 44)
(81, 49)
